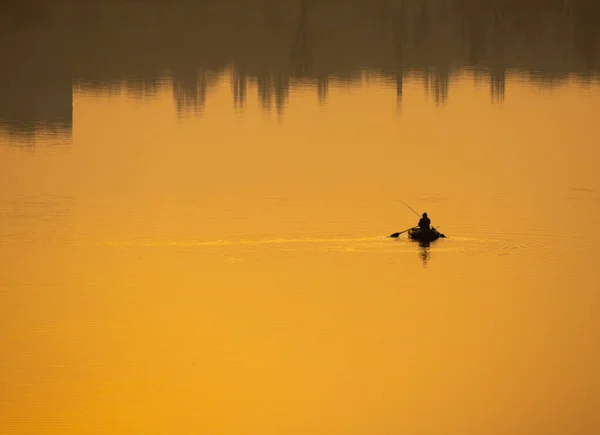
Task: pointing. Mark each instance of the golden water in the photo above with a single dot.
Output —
(197, 245)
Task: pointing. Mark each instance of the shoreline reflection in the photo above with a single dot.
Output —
(52, 50)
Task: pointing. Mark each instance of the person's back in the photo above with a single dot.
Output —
(424, 223)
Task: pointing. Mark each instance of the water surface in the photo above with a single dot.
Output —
(195, 199)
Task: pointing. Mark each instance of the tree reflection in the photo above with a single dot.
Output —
(47, 46)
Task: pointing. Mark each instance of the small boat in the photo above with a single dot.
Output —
(424, 236)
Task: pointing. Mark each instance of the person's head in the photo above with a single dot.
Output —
(424, 215)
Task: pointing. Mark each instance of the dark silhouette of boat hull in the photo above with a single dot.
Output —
(425, 236)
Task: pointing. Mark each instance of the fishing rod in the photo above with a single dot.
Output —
(410, 207)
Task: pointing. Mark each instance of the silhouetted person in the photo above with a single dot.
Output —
(424, 223)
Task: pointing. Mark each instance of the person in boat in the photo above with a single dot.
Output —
(424, 223)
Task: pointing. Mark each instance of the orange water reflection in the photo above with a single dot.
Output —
(170, 271)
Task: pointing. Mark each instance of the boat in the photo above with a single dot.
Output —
(424, 236)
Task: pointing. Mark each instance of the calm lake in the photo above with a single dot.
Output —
(195, 199)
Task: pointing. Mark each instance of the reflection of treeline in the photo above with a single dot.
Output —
(277, 43)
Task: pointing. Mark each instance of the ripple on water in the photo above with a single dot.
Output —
(544, 243)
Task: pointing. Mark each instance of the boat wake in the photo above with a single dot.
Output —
(247, 242)
(380, 244)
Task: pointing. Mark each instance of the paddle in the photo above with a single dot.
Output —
(395, 235)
